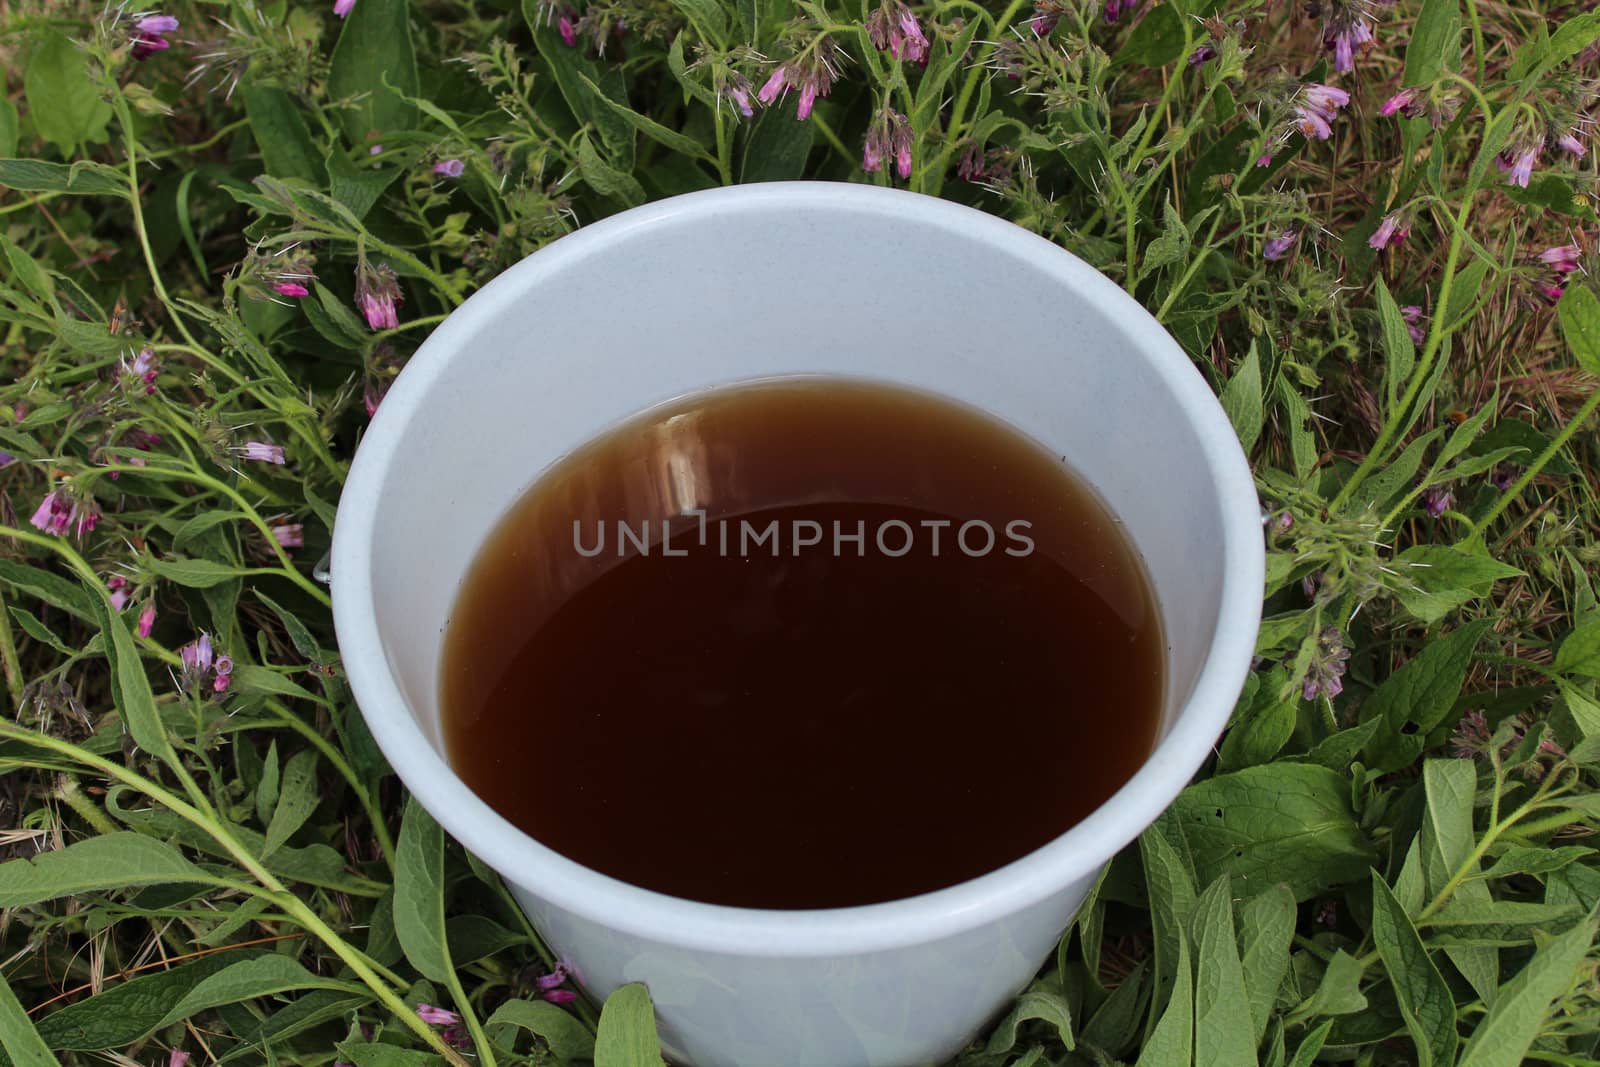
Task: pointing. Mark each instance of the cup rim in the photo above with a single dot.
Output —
(1076, 854)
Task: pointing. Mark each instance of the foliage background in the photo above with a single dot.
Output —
(221, 241)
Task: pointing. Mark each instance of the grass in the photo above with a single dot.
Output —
(214, 257)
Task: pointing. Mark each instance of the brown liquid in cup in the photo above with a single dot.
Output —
(765, 722)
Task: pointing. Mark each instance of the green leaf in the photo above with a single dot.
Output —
(1241, 399)
(374, 44)
(567, 1037)
(334, 320)
(1417, 697)
(1171, 247)
(1447, 841)
(1337, 750)
(1223, 1030)
(1435, 45)
(1498, 920)
(1514, 433)
(378, 1054)
(1579, 653)
(1156, 41)
(1170, 887)
(18, 1038)
(1520, 859)
(1443, 578)
(1572, 37)
(299, 635)
(130, 686)
(82, 178)
(709, 19)
(267, 792)
(1280, 822)
(63, 100)
(1424, 998)
(419, 893)
(250, 678)
(475, 937)
(202, 521)
(27, 270)
(606, 179)
(1306, 1054)
(194, 573)
(652, 129)
(1552, 192)
(1339, 992)
(574, 73)
(1302, 442)
(1172, 1041)
(1399, 353)
(297, 799)
(627, 1032)
(1382, 487)
(247, 979)
(777, 148)
(1115, 1025)
(301, 1014)
(287, 150)
(1518, 1010)
(120, 860)
(1266, 933)
(358, 186)
(9, 127)
(1039, 1004)
(1262, 734)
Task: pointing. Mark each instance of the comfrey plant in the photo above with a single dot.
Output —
(225, 227)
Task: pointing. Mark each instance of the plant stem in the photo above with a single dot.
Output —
(8, 657)
(1555, 446)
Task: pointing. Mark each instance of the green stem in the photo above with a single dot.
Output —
(1419, 375)
(964, 97)
(1550, 452)
(269, 889)
(1477, 41)
(68, 793)
(8, 657)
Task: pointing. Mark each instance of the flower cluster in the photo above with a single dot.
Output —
(894, 29)
(141, 371)
(1562, 261)
(1326, 674)
(377, 293)
(812, 74)
(889, 137)
(149, 34)
(62, 510)
(1348, 32)
(203, 668)
(1319, 107)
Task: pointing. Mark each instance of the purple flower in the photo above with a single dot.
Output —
(119, 591)
(553, 980)
(1390, 231)
(437, 1016)
(141, 371)
(1413, 316)
(1115, 9)
(288, 534)
(197, 656)
(810, 89)
(224, 675)
(1277, 247)
(6, 459)
(449, 168)
(1203, 54)
(1401, 101)
(343, 7)
(889, 136)
(178, 1058)
(894, 29)
(736, 90)
(147, 619)
(567, 27)
(149, 34)
(61, 511)
(1436, 502)
(1504, 476)
(1321, 107)
(377, 293)
(1265, 160)
(291, 289)
(1326, 675)
(1471, 737)
(776, 85)
(1348, 30)
(1551, 293)
(1570, 144)
(559, 996)
(1518, 168)
(261, 452)
(1563, 259)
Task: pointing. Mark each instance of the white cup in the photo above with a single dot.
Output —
(781, 279)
